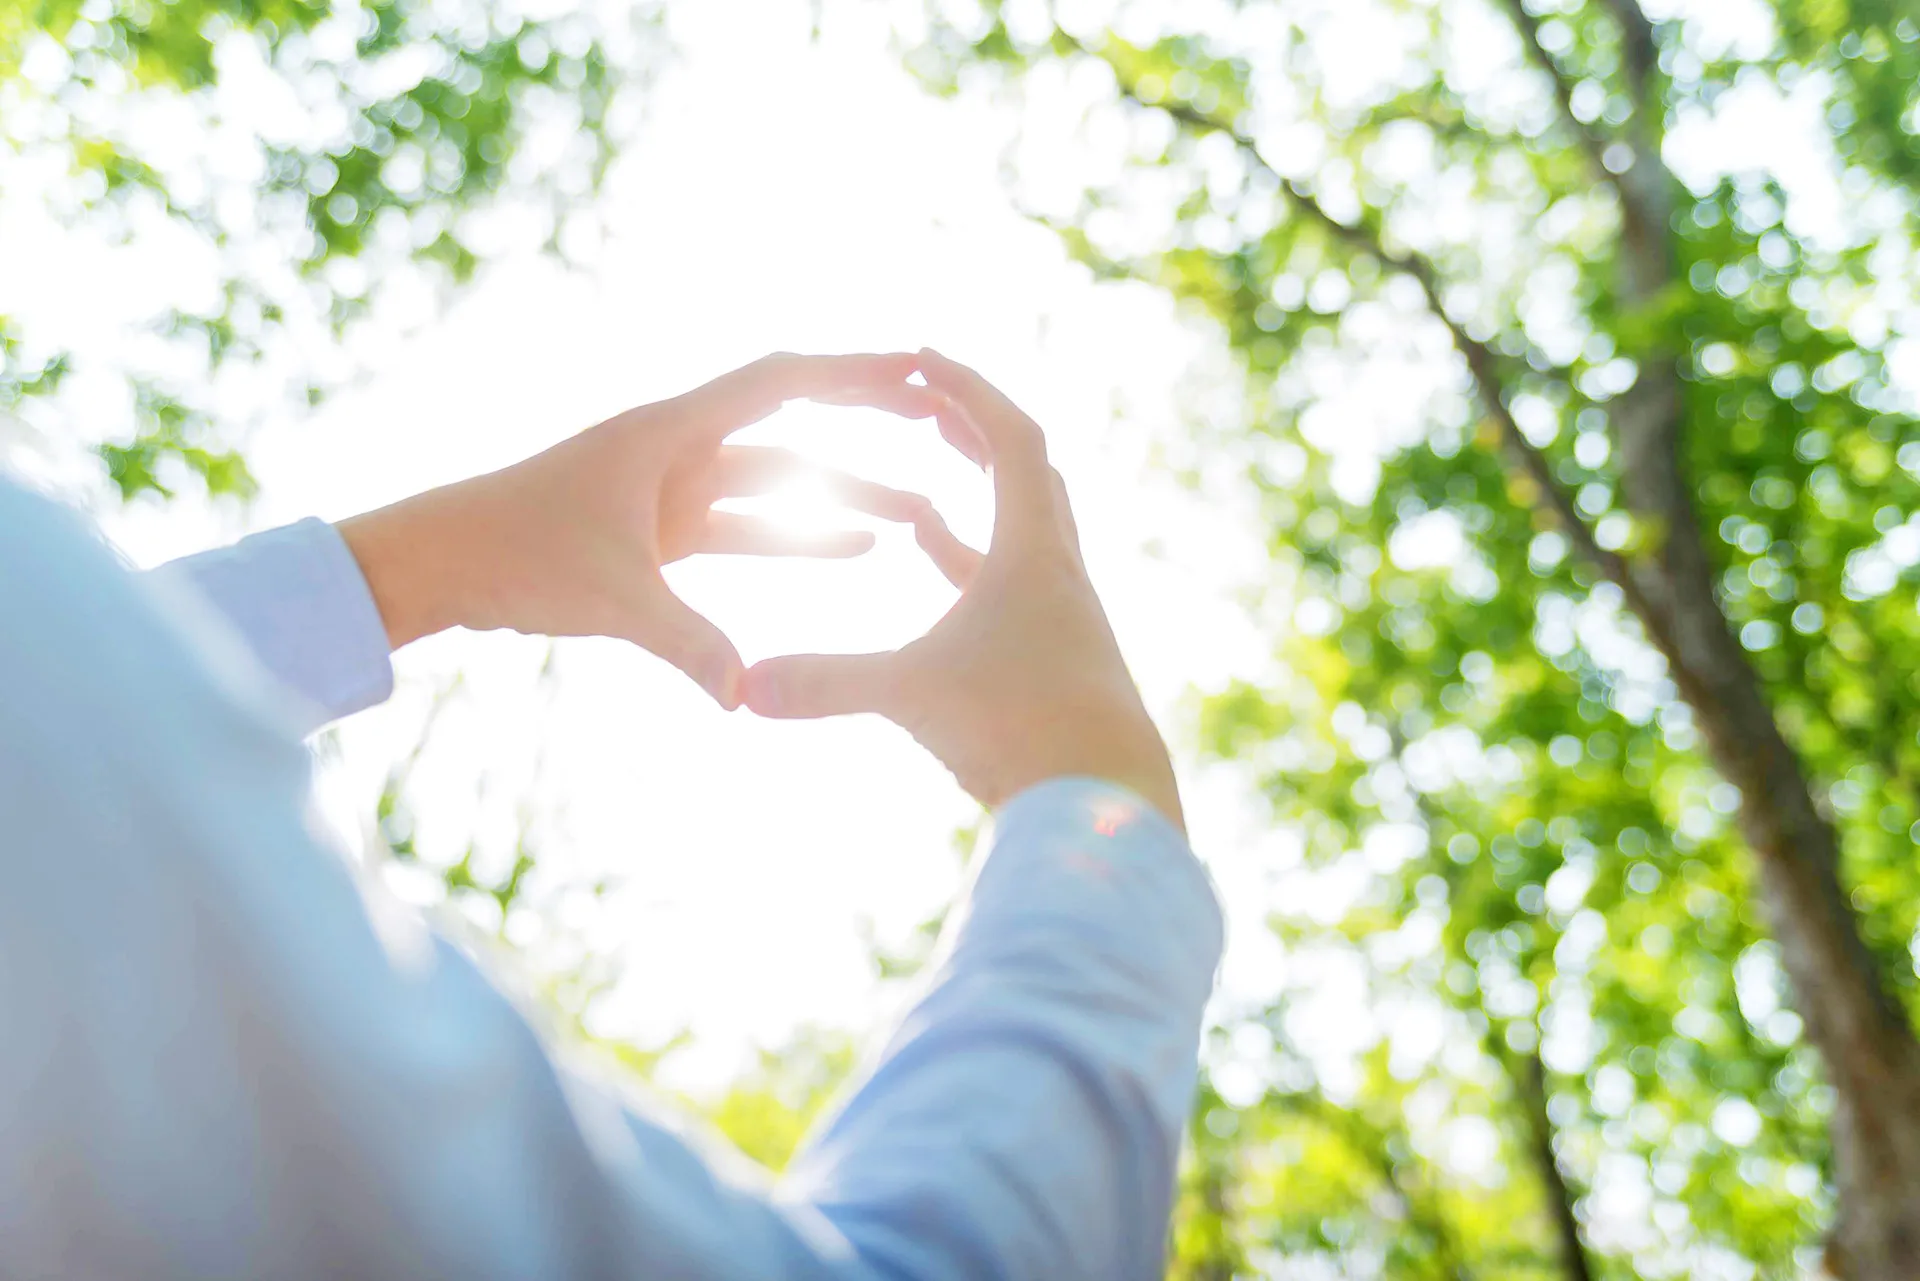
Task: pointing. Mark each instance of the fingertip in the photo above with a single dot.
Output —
(960, 384)
(845, 545)
(759, 691)
(959, 433)
(723, 681)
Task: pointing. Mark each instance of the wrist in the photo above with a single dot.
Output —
(417, 561)
(1153, 784)
(1129, 754)
(1134, 799)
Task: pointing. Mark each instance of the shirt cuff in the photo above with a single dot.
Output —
(1093, 860)
(298, 599)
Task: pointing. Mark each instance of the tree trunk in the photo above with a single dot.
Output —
(1864, 1039)
(1530, 1083)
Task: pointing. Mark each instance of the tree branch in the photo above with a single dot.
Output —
(1482, 360)
(1530, 1086)
(1592, 141)
(1645, 187)
(1641, 189)
(1640, 49)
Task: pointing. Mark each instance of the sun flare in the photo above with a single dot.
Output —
(804, 505)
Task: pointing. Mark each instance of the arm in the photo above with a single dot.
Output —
(567, 543)
(1025, 1119)
(1062, 1023)
(217, 1065)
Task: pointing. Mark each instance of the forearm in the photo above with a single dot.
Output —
(424, 558)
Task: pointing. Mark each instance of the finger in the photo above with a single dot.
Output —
(760, 470)
(734, 534)
(901, 398)
(1022, 480)
(960, 433)
(903, 507)
(952, 557)
(749, 471)
(807, 686)
(751, 393)
(910, 400)
(667, 626)
(959, 562)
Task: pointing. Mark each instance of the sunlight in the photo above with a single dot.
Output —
(804, 505)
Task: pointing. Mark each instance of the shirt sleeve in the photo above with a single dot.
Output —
(297, 599)
(223, 1060)
(1025, 1119)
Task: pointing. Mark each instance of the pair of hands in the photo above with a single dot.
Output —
(1020, 682)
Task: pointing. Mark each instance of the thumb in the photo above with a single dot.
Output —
(669, 627)
(806, 686)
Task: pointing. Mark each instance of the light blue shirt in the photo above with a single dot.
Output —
(221, 1058)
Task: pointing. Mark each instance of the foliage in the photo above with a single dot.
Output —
(1572, 1017)
(342, 146)
(768, 1110)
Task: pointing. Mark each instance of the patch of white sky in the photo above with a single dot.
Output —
(787, 192)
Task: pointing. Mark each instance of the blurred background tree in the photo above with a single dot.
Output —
(1593, 532)
(301, 157)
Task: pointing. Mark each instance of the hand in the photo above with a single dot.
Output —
(1022, 681)
(571, 541)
